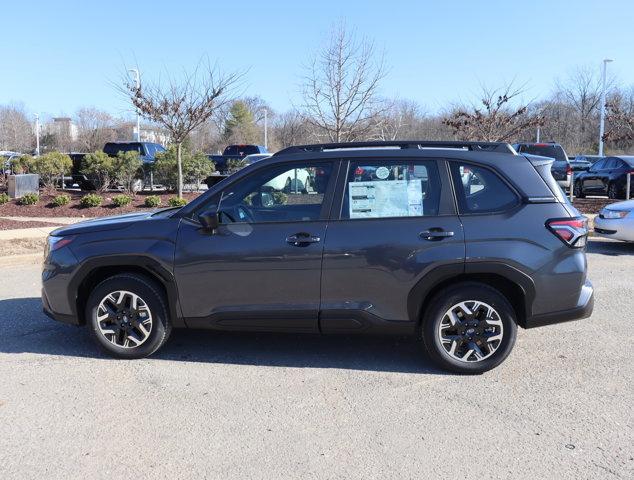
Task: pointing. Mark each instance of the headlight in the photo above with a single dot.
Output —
(55, 243)
(613, 214)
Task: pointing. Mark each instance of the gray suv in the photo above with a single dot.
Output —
(458, 243)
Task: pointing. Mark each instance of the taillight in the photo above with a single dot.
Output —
(572, 231)
(359, 171)
(568, 170)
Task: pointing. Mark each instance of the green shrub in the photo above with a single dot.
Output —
(177, 202)
(50, 167)
(29, 199)
(196, 167)
(152, 201)
(121, 200)
(61, 200)
(90, 200)
(100, 167)
(126, 169)
(4, 198)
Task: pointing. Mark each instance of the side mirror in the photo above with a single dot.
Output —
(209, 219)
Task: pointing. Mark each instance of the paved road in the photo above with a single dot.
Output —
(274, 406)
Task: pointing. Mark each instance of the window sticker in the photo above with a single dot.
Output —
(382, 173)
(393, 198)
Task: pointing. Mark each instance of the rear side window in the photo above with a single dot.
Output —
(382, 189)
(480, 190)
(114, 148)
(241, 150)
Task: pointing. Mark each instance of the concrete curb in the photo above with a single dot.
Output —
(24, 259)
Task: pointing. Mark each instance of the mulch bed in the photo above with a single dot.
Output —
(44, 208)
(592, 205)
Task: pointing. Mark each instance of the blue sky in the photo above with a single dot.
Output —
(58, 56)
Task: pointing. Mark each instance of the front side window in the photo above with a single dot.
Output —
(281, 193)
(383, 189)
(480, 190)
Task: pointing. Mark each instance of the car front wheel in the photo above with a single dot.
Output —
(469, 328)
(128, 316)
(578, 190)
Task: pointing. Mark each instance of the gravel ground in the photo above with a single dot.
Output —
(286, 406)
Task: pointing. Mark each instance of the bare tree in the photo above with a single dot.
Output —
(340, 87)
(620, 119)
(494, 119)
(183, 105)
(290, 128)
(95, 128)
(16, 132)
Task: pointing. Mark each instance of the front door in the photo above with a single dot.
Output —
(395, 231)
(261, 268)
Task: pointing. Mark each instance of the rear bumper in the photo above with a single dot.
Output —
(583, 309)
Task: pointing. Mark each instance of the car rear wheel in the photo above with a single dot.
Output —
(613, 191)
(128, 316)
(578, 190)
(469, 328)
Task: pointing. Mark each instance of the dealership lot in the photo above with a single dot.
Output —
(286, 406)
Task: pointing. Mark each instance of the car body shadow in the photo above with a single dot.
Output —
(25, 329)
(605, 246)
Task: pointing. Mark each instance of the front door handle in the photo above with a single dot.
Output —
(435, 234)
(302, 239)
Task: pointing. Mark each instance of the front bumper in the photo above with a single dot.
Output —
(583, 309)
(616, 228)
(48, 311)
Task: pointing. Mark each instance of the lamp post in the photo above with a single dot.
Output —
(37, 134)
(138, 119)
(602, 118)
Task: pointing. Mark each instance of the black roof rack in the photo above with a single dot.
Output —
(500, 147)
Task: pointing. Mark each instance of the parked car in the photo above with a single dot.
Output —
(606, 177)
(235, 152)
(580, 165)
(588, 158)
(7, 157)
(255, 157)
(616, 221)
(232, 152)
(457, 242)
(561, 169)
(147, 153)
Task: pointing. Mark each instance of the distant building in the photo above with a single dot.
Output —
(63, 128)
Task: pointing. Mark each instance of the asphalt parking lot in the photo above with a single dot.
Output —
(215, 405)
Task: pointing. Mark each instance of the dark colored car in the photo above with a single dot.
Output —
(588, 158)
(562, 170)
(459, 243)
(147, 152)
(580, 165)
(607, 176)
(234, 152)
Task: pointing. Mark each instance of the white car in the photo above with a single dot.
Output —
(292, 181)
(255, 157)
(616, 221)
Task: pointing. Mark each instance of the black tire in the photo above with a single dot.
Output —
(613, 191)
(578, 191)
(151, 294)
(440, 304)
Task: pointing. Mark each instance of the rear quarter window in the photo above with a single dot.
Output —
(480, 190)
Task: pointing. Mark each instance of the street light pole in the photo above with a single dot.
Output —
(37, 134)
(602, 118)
(138, 119)
(266, 133)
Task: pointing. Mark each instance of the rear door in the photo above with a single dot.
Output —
(394, 223)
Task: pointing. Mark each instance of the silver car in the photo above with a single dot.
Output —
(616, 221)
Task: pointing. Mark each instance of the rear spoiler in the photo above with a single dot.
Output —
(543, 165)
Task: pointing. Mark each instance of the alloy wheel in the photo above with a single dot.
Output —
(124, 319)
(471, 331)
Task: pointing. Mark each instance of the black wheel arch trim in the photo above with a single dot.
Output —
(440, 275)
(146, 264)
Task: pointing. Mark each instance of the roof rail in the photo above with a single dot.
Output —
(500, 147)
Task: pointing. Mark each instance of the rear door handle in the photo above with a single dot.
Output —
(302, 239)
(435, 234)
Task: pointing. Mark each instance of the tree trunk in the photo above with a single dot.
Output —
(180, 169)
